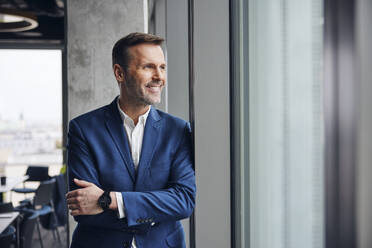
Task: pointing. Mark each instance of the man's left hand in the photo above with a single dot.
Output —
(84, 201)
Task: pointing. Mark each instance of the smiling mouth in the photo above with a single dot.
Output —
(154, 88)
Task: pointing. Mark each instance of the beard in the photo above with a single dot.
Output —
(138, 94)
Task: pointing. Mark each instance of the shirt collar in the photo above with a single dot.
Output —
(141, 118)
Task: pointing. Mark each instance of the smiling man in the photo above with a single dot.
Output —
(130, 165)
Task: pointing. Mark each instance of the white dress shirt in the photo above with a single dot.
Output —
(135, 137)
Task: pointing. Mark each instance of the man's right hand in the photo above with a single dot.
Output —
(84, 201)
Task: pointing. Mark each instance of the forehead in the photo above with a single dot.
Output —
(147, 53)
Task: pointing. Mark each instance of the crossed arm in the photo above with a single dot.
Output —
(83, 201)
(173, 203)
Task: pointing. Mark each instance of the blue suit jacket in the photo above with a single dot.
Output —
(156, 197)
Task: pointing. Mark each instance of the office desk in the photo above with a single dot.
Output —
(11, 182)
(6, 219)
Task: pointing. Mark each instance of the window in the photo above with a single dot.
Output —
(278, 132)
(30, 109)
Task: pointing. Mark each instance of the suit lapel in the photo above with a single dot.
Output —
(114, 125)
(150, 138)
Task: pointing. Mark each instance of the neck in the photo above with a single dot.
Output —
(134, 111)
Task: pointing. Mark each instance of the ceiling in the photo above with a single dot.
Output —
(50, 17)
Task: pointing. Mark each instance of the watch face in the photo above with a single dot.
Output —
(102, 202)
(105, 200)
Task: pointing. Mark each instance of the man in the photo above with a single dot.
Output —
(130, 165)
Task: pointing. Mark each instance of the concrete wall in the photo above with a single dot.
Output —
(93, 28)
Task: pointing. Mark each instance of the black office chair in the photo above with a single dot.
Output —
(27, 227)
(7, 237)
(41, 205)
(35, 174)
(6, 207)
(60, 205)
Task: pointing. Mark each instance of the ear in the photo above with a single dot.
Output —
(119, 73)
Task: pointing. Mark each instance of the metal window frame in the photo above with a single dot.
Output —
(341, 117)
(238, 19)
(191, 101)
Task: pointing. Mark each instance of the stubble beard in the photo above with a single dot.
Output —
(138, 95)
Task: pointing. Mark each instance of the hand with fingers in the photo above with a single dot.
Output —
(84, 201)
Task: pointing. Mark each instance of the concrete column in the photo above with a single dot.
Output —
(93, 28)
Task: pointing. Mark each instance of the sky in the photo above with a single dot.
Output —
(31, 83)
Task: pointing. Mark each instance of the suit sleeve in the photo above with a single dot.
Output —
(82, 165)
(173, 203)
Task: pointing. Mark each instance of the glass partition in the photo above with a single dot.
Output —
(277, 124)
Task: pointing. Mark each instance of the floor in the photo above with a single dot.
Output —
(49, 241)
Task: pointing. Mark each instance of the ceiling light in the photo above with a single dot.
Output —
(16, 21)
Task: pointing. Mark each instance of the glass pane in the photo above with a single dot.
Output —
(280, 160)
(31, 106)
(30, 111)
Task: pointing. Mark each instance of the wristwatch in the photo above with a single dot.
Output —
(104, 200)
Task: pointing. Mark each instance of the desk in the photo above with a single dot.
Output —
(6, 219)
(11, 182)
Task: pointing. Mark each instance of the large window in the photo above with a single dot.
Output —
(30, 109)
(278, 135)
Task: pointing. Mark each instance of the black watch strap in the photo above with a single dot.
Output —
(104, 200)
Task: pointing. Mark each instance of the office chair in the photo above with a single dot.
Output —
(41, 205)
(27, 227)
(60, 205)
(7, 237)
(35, 174)
(6, 207)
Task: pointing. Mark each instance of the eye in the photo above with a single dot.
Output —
(163, 67)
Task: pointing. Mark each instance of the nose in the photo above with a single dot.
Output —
(159, 74)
